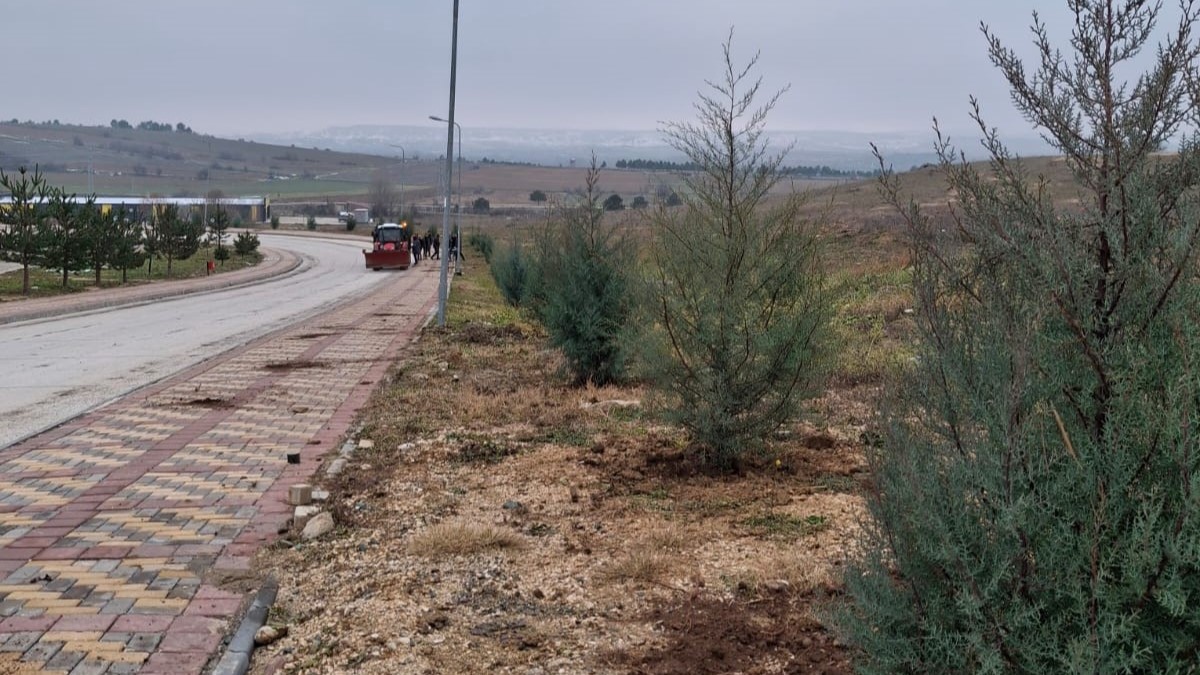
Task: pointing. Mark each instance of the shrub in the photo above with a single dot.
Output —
(741, 309)
(584, 284)
(246, 243)
(481, 205)
(351, 223)
(511, 271)
(482, 243)
(274, 222)
(1034, 508)
(311, 222)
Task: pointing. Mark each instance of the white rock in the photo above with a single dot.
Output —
(321, 524)
(302, 514)
(336, 466)
(366, 443)
(266, 635)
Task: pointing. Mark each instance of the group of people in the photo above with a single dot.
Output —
(425, 247)
(431, 247)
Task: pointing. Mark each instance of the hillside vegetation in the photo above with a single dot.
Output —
(143, 162)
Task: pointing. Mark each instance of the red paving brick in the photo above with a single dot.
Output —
(144, 491)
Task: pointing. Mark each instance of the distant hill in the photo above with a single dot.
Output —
(841, 150)
(141, 162)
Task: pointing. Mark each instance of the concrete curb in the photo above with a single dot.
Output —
(236, 659)
(287, 264)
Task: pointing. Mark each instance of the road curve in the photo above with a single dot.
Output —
(57, 368)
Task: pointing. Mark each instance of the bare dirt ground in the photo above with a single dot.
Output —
(500, 521)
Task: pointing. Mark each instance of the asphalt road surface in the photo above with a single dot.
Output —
(54, 369)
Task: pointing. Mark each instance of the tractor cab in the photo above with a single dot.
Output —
(390, 236)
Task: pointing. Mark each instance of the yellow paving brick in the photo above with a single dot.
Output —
(91, 646)
(74, 611)
(50, 604)
(99, 647)
(167, 603)
(33, 595)
(109, 585)
(140, 593)
(145, 563)
(176, 574)
(72, 636)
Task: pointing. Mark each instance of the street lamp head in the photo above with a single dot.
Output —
(435, 118)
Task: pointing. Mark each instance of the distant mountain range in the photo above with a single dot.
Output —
(837, 149)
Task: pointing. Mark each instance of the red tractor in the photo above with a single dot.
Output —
(390, 247)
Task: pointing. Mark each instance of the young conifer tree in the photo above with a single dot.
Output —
(20, 240)
(739, 301)
(1036, 502)
(584, 280)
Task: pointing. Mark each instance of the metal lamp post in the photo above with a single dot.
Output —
(394, 145)
(458, 208)
(443, 281)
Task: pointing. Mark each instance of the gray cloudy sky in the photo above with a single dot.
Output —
(228, 67)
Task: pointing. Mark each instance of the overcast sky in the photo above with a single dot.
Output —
(230, 67)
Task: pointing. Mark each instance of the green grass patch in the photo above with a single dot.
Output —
(785, 525)
(837, 484)
(483, 450)
(872, 324)
(46, 283)
(573, 436)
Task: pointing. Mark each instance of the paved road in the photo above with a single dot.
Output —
(118, 527)
(57, 368)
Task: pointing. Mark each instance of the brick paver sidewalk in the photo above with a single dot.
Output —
(112, 525)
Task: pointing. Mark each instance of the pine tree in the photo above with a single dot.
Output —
(1036, 502)
(586, 305)
(740, 305)
(20, 242)
(128, 243)
(63, 240)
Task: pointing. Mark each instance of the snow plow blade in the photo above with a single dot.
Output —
(387, 260)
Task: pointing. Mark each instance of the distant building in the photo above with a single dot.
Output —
(246, 209)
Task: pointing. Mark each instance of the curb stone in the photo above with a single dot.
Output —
(236, 659)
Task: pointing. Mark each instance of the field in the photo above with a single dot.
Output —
(85, 159)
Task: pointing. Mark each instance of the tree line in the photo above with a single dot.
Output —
(822, 171)
(49, 228)
(147, 125)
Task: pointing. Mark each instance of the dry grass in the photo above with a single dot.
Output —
(669, 536)
(460, 538)
(802, 573)
(640, 565)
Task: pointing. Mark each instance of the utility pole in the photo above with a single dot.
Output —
(443, 281)
(394, 145)
(458, 206)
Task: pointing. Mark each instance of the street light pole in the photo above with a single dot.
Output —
(443, 281)
(458, 208)
(394, 145)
